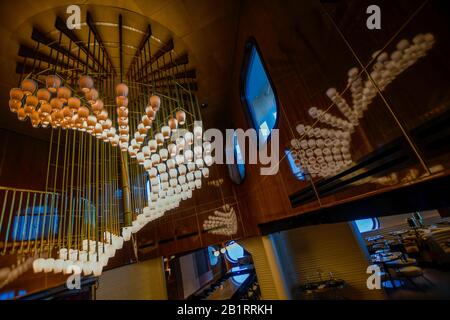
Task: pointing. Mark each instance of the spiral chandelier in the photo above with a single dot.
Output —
(110, 132)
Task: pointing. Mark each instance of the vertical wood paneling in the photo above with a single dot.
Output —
(305, 55)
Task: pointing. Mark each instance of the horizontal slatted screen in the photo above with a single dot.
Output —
(325, 248)
(139, 281)
(263, 271)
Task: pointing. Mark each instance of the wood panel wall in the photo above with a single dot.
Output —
(23, 161)
(303, 45)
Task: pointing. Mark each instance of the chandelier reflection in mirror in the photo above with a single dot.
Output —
(325, 151)
(100, 114)
(222, 222)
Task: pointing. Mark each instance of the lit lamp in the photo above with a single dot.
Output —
(122, 90)
(73, 254)
(43, 95)
(92, 96)
(87, 268)
(122, 102)
(164, 154)
(30, 104)
(64, 94)
(172, 148)
(142, 129)
(77, 267)
(102, 116)
(67, 113)
(63, 254)
(139, 137)
(122, 112)
(181, 117)
(97, 268)
(58, 266)
(28, 86)
(97, 107)
(98, 130)
(198, 132)
(189, 138)
(38, 265)
(146, 121)
(14, 105)
(165, 130)
(155, 102)
(83, 112)
(150, 113)
(159, 139)
(52, 82)
(68, 267)
(173, 124)
(48, 265)
(21, 115)
(35, 119)
(86, 83)
(126, 233)
(73, 103)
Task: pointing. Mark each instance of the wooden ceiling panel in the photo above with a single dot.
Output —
(211, 23)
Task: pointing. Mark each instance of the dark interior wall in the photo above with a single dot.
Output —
(309, 47)
(23, 161)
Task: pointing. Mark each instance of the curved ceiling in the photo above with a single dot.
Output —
(204, 30)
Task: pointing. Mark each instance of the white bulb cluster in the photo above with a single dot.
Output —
(386, 68)
(355, 82)
(176, 160)
(122, 116)
(323, 152)
(134, 149)
(91, 259)
(140, 134)
(222, 223)
(344, 108)
(8, 275)
(330, 119)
